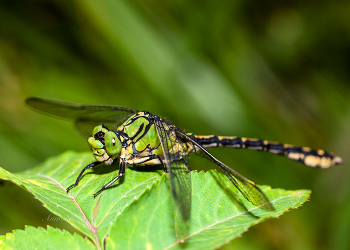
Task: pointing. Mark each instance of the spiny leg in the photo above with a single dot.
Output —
(92, 165)
(120, 174)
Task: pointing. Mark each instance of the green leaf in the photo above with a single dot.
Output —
(139, 210)
(92, 216)
(41, 238)
(216, 217)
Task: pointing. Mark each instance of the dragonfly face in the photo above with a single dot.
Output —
(104, 144)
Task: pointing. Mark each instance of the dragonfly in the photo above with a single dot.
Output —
(141, 138)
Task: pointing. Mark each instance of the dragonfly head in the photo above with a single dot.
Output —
(104, 144)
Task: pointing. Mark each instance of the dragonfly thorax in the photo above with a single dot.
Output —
(104, 144)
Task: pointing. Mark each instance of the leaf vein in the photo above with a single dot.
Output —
(227, 219)
(90, 226)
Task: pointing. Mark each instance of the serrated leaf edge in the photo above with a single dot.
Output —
(48, 230)
(179, 241)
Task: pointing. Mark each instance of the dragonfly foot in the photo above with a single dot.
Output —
(70, 187)
(98, 192)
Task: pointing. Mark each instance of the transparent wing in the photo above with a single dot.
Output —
(248, 189)
(81, 113)
(178, 166)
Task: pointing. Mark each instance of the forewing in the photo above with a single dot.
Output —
(81, 113)
(248, 189)
(177, 163)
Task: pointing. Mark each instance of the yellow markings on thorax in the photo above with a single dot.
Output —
(130, 149)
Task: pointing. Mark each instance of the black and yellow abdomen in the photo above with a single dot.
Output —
(307, 156)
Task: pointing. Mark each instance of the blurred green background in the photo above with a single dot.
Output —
(276, 70)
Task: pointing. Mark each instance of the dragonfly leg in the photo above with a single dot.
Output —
(92, 165)
(120, 174)
(161, 163)
(152, 157)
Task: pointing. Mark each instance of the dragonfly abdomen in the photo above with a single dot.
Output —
(307, 156)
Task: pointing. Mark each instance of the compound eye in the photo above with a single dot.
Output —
(112, 143)
(99, 128)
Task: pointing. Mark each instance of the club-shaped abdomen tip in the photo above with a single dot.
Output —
(320, 161)
(338, 160)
